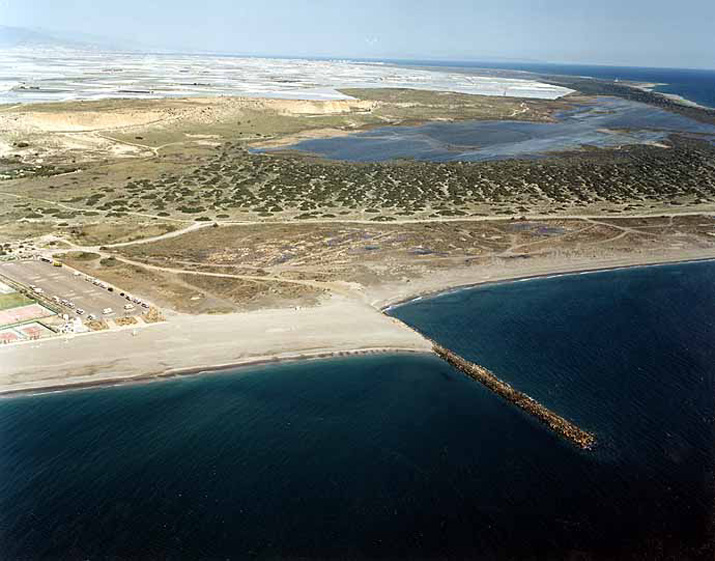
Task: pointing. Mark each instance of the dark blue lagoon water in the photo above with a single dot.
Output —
(398, 456)
(611, 122)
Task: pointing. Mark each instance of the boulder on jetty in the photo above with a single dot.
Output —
(558, 424)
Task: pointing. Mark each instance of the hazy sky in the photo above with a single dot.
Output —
(635, 32)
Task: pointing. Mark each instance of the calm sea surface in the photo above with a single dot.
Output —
(696, 85)
(398, 456)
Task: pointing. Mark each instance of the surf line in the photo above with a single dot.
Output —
(563, 427)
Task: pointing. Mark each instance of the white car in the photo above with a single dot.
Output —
(128, 306)
(107, 311)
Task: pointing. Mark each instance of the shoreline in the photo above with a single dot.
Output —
(653, 88)
(506, 279)
(186, 344)
(194, 371)
(194, 345)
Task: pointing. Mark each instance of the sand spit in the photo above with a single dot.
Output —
(388, 296)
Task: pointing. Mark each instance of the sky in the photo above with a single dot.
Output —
(620, 32)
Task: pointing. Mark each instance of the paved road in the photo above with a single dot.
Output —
(61, 282)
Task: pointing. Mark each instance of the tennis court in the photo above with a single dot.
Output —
(20, 314)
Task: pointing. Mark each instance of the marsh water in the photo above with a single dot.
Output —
(611, 122)
(397, 455)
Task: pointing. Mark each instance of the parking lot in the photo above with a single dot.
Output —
(70, 290)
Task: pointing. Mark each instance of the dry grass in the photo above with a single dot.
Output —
(246, 295)
(375, 254)
(154, 315)
(97, 325)
(113, 231)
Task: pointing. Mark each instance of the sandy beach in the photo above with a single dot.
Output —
(386, 296)
(192, 344)
(651, 88)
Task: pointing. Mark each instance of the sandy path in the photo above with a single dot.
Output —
(333, 287)
(191, 228)
(531, 217)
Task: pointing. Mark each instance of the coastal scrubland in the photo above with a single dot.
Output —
(250, 266)
(232, 184)
(231, 230)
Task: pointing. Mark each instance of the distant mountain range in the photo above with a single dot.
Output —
(22, 37)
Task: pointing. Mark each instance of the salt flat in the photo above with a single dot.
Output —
(40, 75)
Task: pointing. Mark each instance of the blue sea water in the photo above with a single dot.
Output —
(696, 85)
(398, 456)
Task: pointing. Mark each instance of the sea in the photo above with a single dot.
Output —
(696, 85)
(397, 455)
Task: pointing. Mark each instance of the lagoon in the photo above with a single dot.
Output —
(609, 123)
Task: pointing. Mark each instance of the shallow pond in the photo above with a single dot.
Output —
(611, 122)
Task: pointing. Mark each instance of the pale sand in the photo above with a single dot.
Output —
(385, 296)
(186, 343)
(650, 88)
(340, 325)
